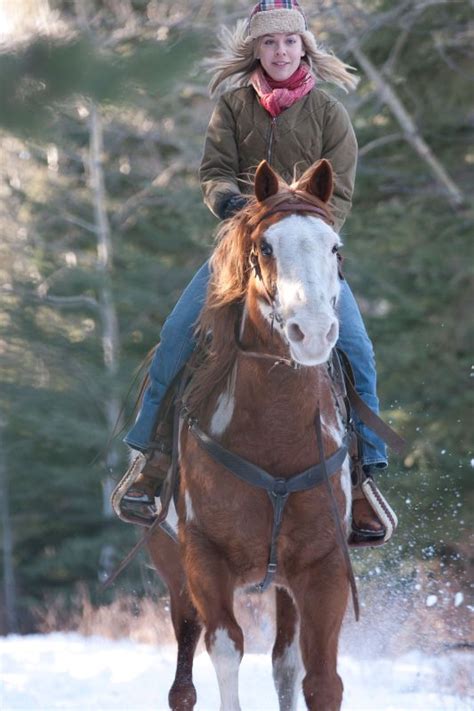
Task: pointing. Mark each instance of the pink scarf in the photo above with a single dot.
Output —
(276, 96)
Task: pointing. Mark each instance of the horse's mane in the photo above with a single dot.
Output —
(230, 273)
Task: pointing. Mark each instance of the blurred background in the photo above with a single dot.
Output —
(103, 111)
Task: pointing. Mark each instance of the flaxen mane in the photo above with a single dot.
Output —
(230, 272)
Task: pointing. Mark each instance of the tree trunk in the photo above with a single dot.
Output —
(9, 588)
(107, 310)
(410, 131)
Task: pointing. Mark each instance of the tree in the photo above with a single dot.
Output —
(102, 70)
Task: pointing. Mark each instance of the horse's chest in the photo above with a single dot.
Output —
(280, 440)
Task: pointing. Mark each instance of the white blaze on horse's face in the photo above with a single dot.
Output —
(308, 286)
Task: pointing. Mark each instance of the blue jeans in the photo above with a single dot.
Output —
(177, 343)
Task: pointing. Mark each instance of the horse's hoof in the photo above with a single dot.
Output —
(182, 698)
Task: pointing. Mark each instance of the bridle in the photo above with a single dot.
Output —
(290, 205)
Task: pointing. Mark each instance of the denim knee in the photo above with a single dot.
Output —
(355, 342)
(176, 345)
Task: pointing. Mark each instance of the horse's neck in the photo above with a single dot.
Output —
(264, 385)
(257, 334)
(266, 412)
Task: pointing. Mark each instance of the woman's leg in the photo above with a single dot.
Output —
(176, 345)
(354, 340)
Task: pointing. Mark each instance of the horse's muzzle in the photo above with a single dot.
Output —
(311, 340)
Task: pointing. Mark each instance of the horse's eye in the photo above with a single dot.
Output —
(335, 249)
(266, 249)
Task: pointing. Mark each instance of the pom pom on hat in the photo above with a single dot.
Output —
(271, 16)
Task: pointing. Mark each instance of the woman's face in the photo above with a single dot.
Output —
(280, 54)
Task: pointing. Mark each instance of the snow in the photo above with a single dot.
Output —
(68, 671)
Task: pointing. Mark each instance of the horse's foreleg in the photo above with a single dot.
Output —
(186, 625)
(321, 593)
(212, 588)
(182, 695)
(286, 655)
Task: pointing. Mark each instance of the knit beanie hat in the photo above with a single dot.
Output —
(269, 16)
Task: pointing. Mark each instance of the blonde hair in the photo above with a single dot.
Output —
(235, 60)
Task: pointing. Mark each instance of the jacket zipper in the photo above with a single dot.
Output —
(270, 139)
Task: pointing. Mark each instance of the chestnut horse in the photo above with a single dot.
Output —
(272, 311)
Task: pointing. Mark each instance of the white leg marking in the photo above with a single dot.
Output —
(346, 484)
(172, 517)
(188, 505)
(288, 672)
(226, 659)
(242, 322)
(333, 431)
(222, 416)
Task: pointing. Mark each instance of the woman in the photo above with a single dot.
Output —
(275, 111)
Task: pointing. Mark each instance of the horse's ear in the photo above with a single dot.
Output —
(318, 180)
(266, 181)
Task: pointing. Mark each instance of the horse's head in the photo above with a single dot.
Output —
(294, 256)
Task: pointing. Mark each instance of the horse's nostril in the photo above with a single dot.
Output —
(295, 333)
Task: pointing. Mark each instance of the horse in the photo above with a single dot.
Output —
(267, 331)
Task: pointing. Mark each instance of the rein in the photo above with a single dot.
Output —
(277, 359)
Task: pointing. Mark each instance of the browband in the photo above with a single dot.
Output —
(290, 206)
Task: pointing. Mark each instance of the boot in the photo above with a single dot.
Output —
(133, 499)
(366, 526)
(366, 529)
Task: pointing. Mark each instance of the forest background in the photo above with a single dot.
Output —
(103, 111)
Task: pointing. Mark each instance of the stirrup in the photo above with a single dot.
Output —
(140, 509)
(358, 537)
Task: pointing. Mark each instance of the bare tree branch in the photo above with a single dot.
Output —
(440, 48)
(69, 301)
(79, 222)
(395, 52)
(377, 142)
(389, 97)
(137, 200)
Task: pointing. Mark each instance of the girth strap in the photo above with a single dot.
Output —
(278, 488)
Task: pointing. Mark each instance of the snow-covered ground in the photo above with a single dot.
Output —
(67, 671)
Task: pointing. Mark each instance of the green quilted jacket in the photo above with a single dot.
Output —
(241, 133)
